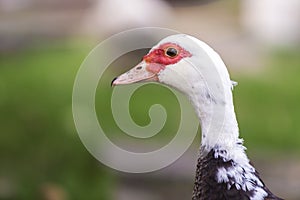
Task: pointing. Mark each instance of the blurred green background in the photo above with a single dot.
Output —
(42, 156)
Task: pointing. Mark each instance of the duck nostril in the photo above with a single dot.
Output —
(139, 67)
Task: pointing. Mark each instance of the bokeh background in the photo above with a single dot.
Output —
(43, 43)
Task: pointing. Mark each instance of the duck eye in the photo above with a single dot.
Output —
(171, 52)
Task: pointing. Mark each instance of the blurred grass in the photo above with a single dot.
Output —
(267, 105)
(38, 141)
(39, 144)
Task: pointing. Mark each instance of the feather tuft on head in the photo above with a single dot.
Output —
(233, 84)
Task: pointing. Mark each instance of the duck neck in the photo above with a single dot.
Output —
(217, 117)
(223, 167)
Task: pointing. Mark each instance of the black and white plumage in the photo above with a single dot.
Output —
(192, 67)
(232, 182)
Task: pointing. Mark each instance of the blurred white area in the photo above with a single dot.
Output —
(13, 5)
(218, 24)
(112, 16)
(273, 22)
(239, 30)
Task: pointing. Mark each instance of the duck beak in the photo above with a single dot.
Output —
(137, 74)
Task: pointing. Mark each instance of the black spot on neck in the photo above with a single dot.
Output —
(210, 97)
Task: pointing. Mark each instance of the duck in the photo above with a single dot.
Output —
(223, 169)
